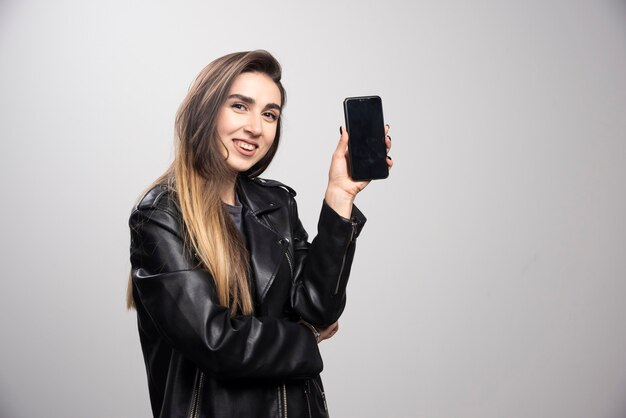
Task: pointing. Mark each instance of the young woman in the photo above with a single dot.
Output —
(231, 298)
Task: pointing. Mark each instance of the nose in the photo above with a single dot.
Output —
(254, 127)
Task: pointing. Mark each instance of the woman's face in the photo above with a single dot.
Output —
(247, 121)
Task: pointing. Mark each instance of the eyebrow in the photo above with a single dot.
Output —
(251, 101)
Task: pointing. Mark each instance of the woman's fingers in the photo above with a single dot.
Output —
(334, 329)
(328, 332)
(388, 145)
(343, 143)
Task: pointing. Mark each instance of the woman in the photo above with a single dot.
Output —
(231, 298)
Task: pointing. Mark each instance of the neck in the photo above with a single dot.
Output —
(228, 192)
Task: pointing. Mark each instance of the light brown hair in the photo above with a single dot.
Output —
(199, 173)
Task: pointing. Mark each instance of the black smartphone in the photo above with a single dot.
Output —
(366, 146)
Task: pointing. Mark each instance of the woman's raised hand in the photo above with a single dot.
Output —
(342, 190)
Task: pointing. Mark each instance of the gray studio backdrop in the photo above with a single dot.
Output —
(490, 279)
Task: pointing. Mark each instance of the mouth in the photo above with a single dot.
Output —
(244, 147)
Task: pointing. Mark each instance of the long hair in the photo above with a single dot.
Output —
(199, 173)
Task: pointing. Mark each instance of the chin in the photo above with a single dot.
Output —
(241, 167)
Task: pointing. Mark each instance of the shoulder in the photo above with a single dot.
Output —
(160, 204)
(160, 196)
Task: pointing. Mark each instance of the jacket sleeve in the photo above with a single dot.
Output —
(323, 266)
(181, 302)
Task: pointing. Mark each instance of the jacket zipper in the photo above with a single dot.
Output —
(290, 261)
(307, 391)
(322, 393)
(194, 412)
(282, 400)
(345, 254)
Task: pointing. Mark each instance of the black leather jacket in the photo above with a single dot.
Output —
(200, 361)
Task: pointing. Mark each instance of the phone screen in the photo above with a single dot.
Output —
(366, 146)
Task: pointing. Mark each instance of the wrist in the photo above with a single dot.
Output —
(340, 201)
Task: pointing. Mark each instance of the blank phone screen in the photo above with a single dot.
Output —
(366, 146)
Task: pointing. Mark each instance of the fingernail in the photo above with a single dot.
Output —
(340, 131)
(388, 136)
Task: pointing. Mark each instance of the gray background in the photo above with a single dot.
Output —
(490, 279)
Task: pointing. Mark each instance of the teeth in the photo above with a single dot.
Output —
(246, 146)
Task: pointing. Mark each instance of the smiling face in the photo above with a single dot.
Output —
(248, 119)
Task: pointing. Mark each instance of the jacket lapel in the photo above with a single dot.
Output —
(265, 245)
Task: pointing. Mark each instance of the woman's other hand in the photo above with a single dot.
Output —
(328, 332)
(322, 334)
(342, 190)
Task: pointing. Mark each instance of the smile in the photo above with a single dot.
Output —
(245, 145)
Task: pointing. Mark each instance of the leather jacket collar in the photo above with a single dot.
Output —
(256, 198)
(269, 242)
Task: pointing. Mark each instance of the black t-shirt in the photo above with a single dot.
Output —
(236, 214)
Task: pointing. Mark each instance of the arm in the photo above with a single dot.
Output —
(181, 302)
(324, 266)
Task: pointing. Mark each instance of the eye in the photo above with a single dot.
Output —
(271, 116)
(239, 106)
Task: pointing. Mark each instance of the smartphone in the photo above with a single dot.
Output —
(366, 146)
